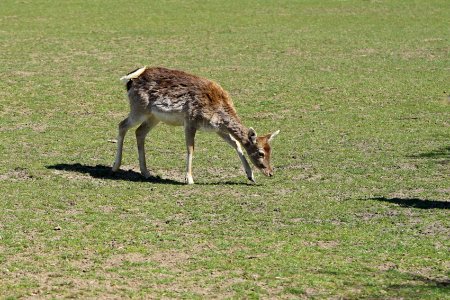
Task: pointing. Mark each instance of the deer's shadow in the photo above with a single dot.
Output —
(105, 172)
(415, 202)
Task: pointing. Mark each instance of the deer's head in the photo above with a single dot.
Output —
(259, 150)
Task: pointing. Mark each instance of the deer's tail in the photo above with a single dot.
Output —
(133, 74)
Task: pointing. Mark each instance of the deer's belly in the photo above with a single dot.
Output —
(171, 118)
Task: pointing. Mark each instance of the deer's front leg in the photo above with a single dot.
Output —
(190, 136)
(237, 146)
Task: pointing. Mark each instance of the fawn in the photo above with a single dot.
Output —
(181, 99)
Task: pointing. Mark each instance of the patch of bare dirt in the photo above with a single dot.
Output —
(221, 173)
(18, 174)
(20, 73)
(322, 244)
(366, 216)
(299, 166)
(329, 90)
(173, 174)
(179, 218)
(435, 228)
(309, 177)
(444, 191)
(10, 110)
(75, 287)
(406, 166)
(296, 52)
(366, 52)
(36, 127)
(170, 259)
(283, 191)
(119, 259)
(421, 53)
(335, 222)
(84, 264)
(107, 208)
(368, 146)
(184, 284)
(387, 266)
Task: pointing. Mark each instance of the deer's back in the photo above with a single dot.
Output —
(175, 96)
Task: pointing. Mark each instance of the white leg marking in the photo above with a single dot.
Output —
(190, 136)
(237, 146)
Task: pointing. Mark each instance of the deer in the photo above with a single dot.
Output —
(177, 98)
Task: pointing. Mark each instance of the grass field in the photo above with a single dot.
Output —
(358, 206)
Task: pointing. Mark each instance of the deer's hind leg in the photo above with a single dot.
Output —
(141, 133)
(124, 126)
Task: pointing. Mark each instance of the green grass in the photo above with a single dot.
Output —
(358, 207)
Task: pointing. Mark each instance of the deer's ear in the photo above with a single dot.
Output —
(252, 135)
(272, 135)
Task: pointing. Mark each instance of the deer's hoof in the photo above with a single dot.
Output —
(189, 180)
(146, 174)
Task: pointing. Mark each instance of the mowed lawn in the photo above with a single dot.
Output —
(358, 206)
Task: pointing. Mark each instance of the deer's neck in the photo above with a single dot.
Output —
(238, 131)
